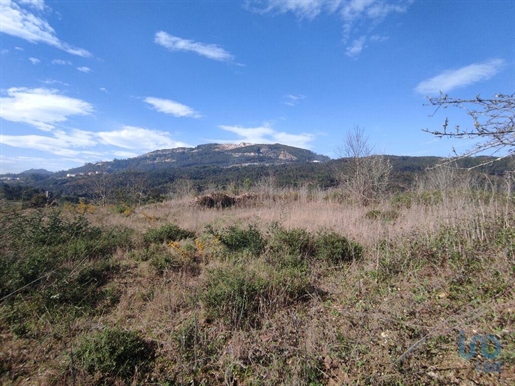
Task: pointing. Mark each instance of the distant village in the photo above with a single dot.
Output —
(71, 175)
(10, 178)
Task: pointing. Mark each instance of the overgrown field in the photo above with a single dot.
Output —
(284, 288)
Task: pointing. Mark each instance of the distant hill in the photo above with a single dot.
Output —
(219, 166)
(219, 155)
(27, 174)
(42, 172)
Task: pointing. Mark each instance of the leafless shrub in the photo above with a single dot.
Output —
(363, 176)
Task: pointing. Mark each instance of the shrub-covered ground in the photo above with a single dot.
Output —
(290, 289)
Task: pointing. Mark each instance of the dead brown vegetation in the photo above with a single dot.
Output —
(434, 263)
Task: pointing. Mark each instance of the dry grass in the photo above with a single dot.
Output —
(392, 317)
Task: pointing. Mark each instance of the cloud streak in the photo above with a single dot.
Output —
(61, 62)
(451, 79)
(60, 143)
(355, 48)
(36, 4)
(20, 18)
(88, 144)
(210, 51)
(170, 107)
(41, 107)
(304, 9)
(141, 139)
(372, 11)
(293, 100)
(355, 15)
(265, 134)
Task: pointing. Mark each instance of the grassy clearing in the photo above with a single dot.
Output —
(292, 289)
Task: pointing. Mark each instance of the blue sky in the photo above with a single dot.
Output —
(90, 80)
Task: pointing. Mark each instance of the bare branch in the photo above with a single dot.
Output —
(493, 124)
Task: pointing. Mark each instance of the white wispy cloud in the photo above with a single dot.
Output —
(168, 106)
(375, 11)
(53, 82)
(266, 134)
(363, 15)
(61, 62)
(84, 69)
(137, 138)
(37, 4)
(308, 9)
(40, 107)
(59, 143)
(355, 48)
(379, 38)
(292, 100)
(451, 79)
(174, 43)
(21, 18)
(129, 141)
(34, 60)
(350, 11)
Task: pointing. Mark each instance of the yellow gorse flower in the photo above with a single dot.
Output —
(83, 208)
(199, 246)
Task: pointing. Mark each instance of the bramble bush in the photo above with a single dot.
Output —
(166, 233)
(54, 265)
(239, 240)
(335, 249)
(114, 353)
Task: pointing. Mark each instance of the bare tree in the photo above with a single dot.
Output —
(363, 175)
(493, 124)
(135, 186)
(101, 187)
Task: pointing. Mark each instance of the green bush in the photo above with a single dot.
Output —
(239, 240)
(166, 233)
(163, 260)
(45, 228)
(110, 239)
(235, 295)
(288, 248)
(114, 353)
(55, 267)
(45, 245)
(292, 242)
(82, 288)
(288, 286)
(402, 200)
(123, 208)
(334, 248)
(243, 296)
(22, 316)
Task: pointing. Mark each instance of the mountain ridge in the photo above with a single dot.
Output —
(211, 154)
(224, 156)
